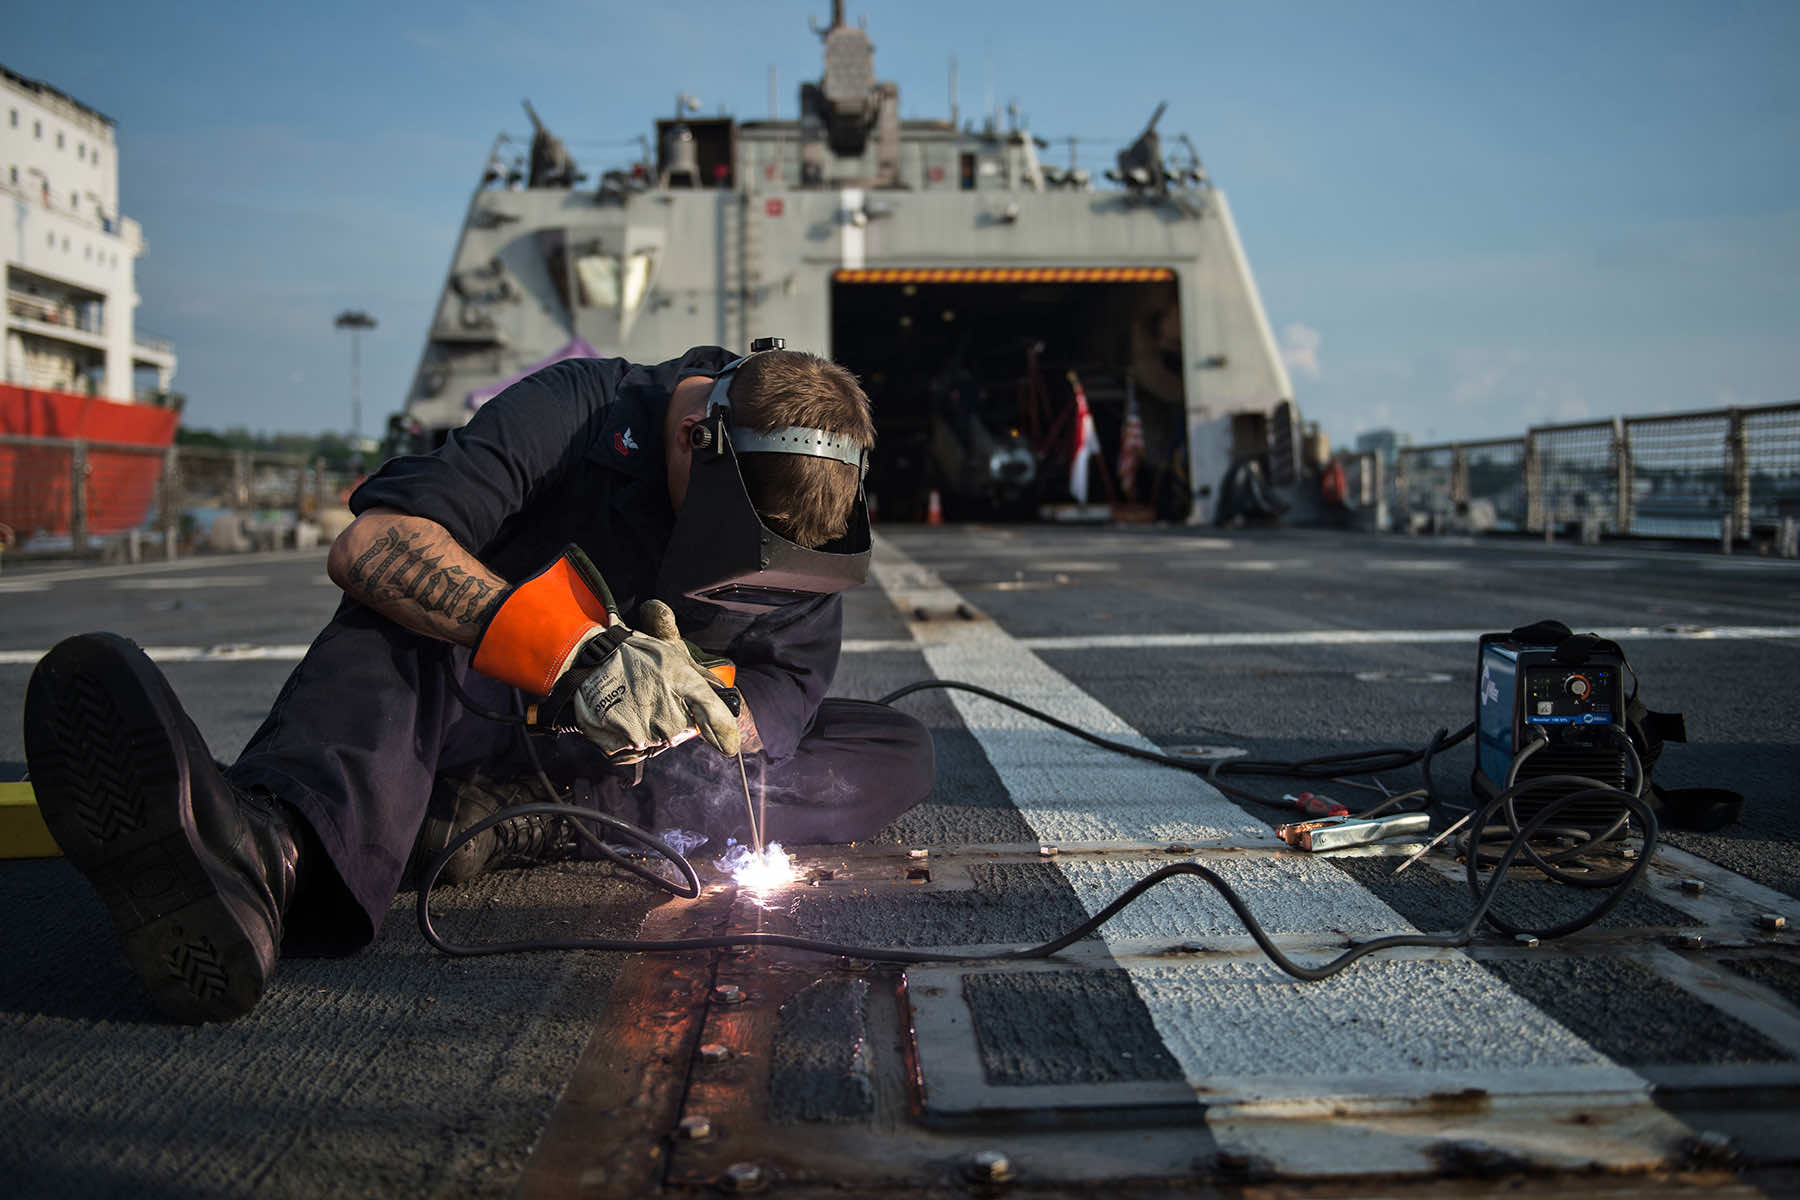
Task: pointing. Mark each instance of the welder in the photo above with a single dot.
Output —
(564, 556)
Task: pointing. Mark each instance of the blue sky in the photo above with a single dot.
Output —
(1464, 218)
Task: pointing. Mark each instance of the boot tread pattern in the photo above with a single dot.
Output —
(200, 968)
(93, 764)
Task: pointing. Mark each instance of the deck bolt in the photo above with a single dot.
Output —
(1771, 921)
(1691, 941)
(1692, 886)
(695, 1129)
(715, 1052)
(1527, 940)
(990, 1166)
(918, 853)
(743, 1177)
(728, 993)
(1711, 1147)
(1047, 851)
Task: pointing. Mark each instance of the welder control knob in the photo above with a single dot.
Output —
(1578, 686)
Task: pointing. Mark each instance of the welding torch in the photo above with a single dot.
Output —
(725, 671)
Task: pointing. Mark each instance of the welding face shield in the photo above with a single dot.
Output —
(721, 552)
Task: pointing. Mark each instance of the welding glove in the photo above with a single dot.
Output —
(558, 635)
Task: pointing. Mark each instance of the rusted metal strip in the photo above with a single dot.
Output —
(608, 1135)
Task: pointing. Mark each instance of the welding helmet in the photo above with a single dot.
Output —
(721, 552)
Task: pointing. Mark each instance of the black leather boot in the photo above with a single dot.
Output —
(524, 841)
(196, 875)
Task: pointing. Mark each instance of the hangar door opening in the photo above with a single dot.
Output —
(972, 372)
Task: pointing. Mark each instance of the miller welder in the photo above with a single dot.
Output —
(1548, 702)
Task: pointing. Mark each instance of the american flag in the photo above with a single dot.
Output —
(1131, 444)
(1087, 443)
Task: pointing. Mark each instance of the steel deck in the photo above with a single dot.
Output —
(1658, 1051)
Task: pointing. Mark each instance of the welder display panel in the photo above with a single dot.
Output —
(1587, 695)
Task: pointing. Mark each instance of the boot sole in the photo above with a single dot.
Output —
(109, 768)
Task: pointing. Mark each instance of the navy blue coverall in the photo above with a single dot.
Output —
(367, 721)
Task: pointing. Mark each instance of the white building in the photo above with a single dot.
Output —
(69, 321)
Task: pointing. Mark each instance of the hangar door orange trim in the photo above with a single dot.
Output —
(1003, 275)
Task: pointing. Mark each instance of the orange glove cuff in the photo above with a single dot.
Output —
(542, 622)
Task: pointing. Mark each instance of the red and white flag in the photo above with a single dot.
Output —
(1131, 444)
(1087, 443)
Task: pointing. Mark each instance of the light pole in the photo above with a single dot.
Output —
(355, 321)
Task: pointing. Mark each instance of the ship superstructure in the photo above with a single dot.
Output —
(69, 254)
(973, 286)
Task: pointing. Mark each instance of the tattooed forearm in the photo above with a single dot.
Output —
(399, 565)
(414, 572)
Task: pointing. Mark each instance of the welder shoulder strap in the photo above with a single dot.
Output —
(1696, 810)
(1693, 810)
(542, 622)
(1649, 730)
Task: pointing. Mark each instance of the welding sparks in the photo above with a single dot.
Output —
(758, 873)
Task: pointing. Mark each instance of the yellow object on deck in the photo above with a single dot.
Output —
(22, 830)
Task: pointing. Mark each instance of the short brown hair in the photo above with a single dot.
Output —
(804, 498)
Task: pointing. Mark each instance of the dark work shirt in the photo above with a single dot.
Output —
(574, 454)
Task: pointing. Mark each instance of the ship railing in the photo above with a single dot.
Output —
(1726, 474)
(55, 310)
(80, 497)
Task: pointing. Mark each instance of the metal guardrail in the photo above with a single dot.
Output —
(1731, 474)
(54, 310)
(82, 496)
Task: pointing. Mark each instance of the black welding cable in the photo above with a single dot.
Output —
(468, 703)
(660, 882)
(577, 816)
(1325, 766)
(1616, 885)
(1583, 838)
(1481, 912)
(690, 888)
(552, 796)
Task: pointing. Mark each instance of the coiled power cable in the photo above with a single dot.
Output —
(1635, 811)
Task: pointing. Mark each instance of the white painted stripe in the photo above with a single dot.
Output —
(1332, 637)
(182, 583)
(180, 654)
(877, 645)
(1236, 1018)
(201, 562)
(1386, 637)
(1136, 641)
(850, 201)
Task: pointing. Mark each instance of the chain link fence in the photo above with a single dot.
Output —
(1727, 474)
(116, 499)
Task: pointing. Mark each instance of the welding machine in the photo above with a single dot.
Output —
(1548, 702)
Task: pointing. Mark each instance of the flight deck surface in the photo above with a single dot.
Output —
(1655, 1051)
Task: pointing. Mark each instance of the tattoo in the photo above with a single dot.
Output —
(398, 565)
